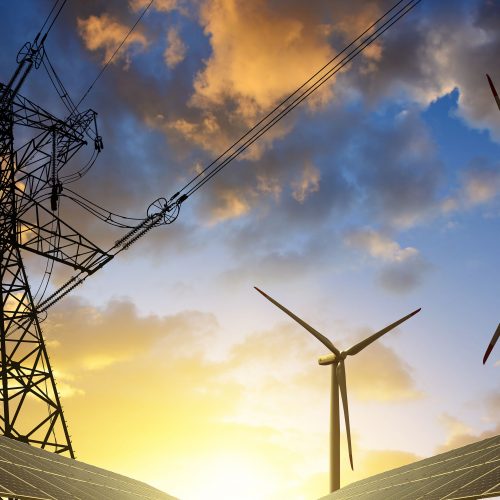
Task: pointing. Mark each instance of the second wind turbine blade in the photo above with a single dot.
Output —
(492, 344)
(343, 393)
(364, 343)
(301, 322)
(493, 91)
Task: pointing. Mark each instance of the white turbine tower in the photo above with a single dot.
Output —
(336, 359)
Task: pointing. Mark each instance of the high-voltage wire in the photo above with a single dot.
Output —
(162, 211)
(55, 17)
(332, 67)
(301, 93)
(50, 14)
(101, 213)
(58, 85)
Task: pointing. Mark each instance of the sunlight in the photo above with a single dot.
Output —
(231, 476)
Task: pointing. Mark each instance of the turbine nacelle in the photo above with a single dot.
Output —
(327, 359)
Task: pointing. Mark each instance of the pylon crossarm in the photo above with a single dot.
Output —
(29, 114)
(42, 232)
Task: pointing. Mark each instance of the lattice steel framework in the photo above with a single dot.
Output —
(30, 408)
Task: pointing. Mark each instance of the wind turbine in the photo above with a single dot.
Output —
(336, 359)
(491, 344)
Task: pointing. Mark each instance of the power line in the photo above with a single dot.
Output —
(162, 211)
(48, 15)
(300, 94)
(114, 53)
(53, 20)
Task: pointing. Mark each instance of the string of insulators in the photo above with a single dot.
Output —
(63, 291)
(123, 239)
(154, 221)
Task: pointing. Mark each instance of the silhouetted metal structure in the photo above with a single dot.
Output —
(31, 182)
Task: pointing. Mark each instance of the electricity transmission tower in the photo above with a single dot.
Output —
(35, 148)
(31, 182)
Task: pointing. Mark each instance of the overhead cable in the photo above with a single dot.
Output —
(337, 63)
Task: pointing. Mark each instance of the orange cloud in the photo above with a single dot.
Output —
(176, 49)
(162, 5)
(105, 33)
(256, 66)
(230, 204)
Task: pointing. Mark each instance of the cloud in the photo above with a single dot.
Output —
(161, 5)
(105, 33)
(231, 204)
(282, 48)
(478, 185)
(481, 185)
(212, 105)
(260, 404)
(461, 434)
(380, 374)
(403, 268)
(434, 50)
(307, 183)
(92, 338)
(176, 49)
(379, 246)
(458, 433)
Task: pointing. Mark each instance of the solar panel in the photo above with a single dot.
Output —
(35, 474)
(469, 472)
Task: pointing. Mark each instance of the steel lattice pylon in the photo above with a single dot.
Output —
(30, 184)
(31, 409)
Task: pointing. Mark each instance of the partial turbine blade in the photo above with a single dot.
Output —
(343, 393)
(364, 343)
(493, 91)
(310, 329)
(492, 344)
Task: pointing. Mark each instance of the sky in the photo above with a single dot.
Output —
(378, 195)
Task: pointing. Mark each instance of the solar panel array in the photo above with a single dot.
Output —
(31, 473)
(472, 471)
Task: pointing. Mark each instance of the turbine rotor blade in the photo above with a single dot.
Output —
(343, 393)
(493, 90)
(492, 344)
(364, 343)
(309, 328)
